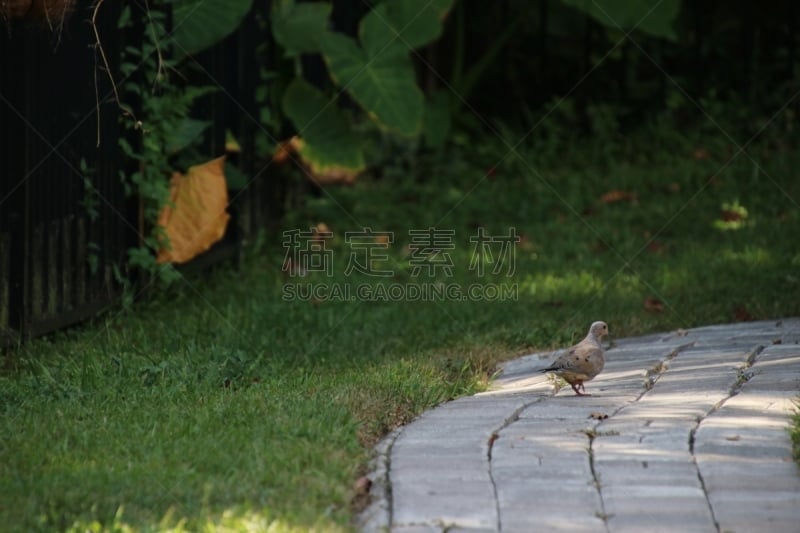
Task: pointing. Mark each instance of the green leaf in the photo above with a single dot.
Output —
(329, 141)
(402, 25)
(654, 17)
(199, 24)
(185, 133)
(384, 85)
(124, 18)
(437, 118)
(297, 27)
(379, 73)
(235, 178)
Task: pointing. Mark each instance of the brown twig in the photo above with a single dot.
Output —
(126, 111)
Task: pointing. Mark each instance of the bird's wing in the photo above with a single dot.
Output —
(584, 358)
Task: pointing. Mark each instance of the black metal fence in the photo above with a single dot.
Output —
(66, 222)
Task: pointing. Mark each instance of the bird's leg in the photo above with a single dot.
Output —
(578, 387)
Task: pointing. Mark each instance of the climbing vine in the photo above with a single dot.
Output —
(155, 105)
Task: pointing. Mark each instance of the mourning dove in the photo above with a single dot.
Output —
(583, 361)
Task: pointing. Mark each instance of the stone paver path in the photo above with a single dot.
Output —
(684, 431)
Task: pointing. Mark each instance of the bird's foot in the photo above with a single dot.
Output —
(579, 389)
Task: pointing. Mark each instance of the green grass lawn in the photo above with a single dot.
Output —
(220, 404)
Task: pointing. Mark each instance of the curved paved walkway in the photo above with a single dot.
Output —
(695, 439)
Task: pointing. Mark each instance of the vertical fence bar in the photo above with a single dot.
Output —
(49, 117)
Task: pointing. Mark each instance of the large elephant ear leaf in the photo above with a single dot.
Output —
(200, 24)
(654, 17)
(384, 85)
(404, 25)
(378, 72)
(297, 26)
(329, 141)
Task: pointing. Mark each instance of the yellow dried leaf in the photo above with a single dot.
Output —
(196, 217)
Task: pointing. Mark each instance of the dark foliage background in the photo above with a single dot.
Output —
(739, 52)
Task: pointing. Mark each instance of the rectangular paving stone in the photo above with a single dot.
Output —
(547, 474)
(559, 432)
(575, 411)
(475, 406)
(436, 474)
(624, 447)
(707, 352)
(778, 382)
(657, 508)
(528, 506)
(417, 528)
(780, 351)
(540, 444)
(776, 370)
(445, 501)
(444, 432)
(768, 510)
(661, 521)
(756, 448)
(519, 384)
(753, 475)
(751, 424)
(674, 401)
(630, 472)
(582, 496)
(656, 493)
(556, 520)
(445, 445)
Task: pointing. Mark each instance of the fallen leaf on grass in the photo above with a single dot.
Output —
(383, 238)
(653, 305)
(362, 485)
(525, 242)
(616, 196)
(195, 217)
(361, 488)
(727, 215)
(701, 154)
(321, 232)
(741, 314)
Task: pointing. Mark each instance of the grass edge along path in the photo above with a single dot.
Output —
(220, 405)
